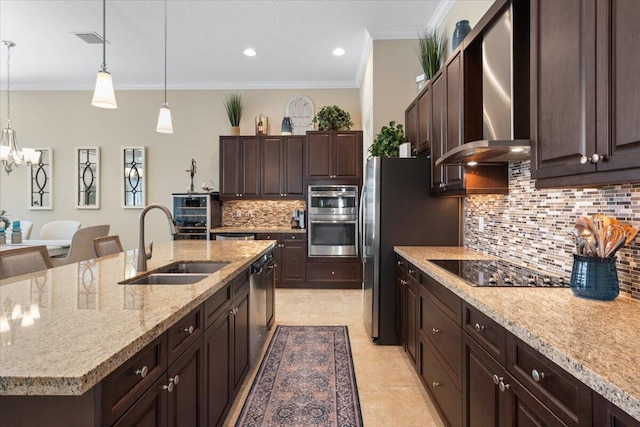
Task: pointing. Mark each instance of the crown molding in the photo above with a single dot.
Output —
(364, 57)
(440, 13)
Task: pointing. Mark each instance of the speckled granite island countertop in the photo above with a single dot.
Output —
(253, 229)
(597, 342)
(86, 324)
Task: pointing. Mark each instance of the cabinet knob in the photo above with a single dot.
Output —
(496, 379)
(234, 311)
(502, 385)
(435, 331)
(333, 272)
(400, 262)
(293, 237)
(595, 158)
(435, 384)
(142, 372)
(188, 330)
(411, 271)
(172, 383)
(404, 282)
(537, 376)
(442, 185)
(479, 328)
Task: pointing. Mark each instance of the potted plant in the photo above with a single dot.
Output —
(233, 105)
(431, 46)
(333, 118)
(387, 142)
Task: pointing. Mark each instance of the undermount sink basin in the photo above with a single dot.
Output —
(184, 267)
(178, 273)
(167, 279)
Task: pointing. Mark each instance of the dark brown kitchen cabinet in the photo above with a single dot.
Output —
(606, 414)
(401, 284)
(282, 167)
(186, 400)
(149, 411)
(290, 257)
(218, 355)
(411, 124)
(240, 340)
(334, 273)
(454, 117)
(407, 308)
(424, 122)
(334, 155)
(438, 137)
(584, 100)
(239, 167)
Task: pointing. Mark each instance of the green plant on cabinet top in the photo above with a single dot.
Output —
(233, 105)
(387, 141)
(431, 47)
(333, 118)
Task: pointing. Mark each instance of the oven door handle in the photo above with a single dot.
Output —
(338, 221)
(360, 239)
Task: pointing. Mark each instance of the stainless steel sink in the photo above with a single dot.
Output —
(184, 267)
(167, 279)
(178, 273)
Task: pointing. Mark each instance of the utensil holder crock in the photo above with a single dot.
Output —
(595, 278)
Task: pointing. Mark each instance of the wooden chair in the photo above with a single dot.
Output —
(81, 248)
(107, 245)
(23, 260)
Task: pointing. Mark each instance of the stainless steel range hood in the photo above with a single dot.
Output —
(499, 144)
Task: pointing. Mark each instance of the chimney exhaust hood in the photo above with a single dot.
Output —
(499, 144)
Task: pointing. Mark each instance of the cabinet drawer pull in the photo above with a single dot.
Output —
(234, 311)
(142, 372)
(411, 271)
(502, 385)
(333, 272)
(293, 237)
(400, 262)
(404, 282)
(435, 331)
(479, 328)
(188, 330)
(172, 383)
(435, 384)
(496, 379)
(537, 376)
(271, 267)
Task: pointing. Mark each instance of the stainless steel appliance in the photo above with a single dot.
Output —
(235, 236)
(298, 219)
(258, 289)
(333, 220)
(397, 209)
(499, 273)
(195, 214)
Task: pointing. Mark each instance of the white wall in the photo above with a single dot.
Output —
(63, 120)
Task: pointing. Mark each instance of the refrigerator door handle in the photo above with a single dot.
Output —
(361, 225)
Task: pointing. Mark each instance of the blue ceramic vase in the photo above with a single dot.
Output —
(287, 126)
(459, 33)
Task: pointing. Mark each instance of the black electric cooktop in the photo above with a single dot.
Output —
(499, 273)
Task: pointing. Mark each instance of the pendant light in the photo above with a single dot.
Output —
(10, 154)
(164, 118)
(103, 96)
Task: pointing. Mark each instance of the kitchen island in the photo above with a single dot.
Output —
(66, 329)
(596, 342)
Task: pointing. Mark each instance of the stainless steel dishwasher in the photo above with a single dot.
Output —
(258, 284)
(235, 236)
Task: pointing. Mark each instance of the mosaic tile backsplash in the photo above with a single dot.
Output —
(532, 226)
(266, 213)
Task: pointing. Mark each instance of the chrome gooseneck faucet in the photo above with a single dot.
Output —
(143, 255)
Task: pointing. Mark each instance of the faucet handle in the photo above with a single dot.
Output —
(148, 254)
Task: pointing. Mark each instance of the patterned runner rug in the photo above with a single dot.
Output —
(306, 379)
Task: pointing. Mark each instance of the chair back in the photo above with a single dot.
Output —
(107, 245)
(26, 227)
(81, 248)
(23, 260)
(59, 230)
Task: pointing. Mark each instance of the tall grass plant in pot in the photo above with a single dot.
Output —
(431, 47)
(233, 105)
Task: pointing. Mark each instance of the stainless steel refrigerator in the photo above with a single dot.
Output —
(397, 210)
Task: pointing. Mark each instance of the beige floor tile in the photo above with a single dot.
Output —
(390, 390)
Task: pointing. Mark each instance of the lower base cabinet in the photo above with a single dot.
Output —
(327, 272)
(218, 344)
(289, 256)
(480, 375)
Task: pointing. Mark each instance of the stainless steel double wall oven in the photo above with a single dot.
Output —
(333, 220)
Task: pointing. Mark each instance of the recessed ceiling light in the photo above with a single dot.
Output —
(338, 51)
(249, 52)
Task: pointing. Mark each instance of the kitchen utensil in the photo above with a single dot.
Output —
(578, 241)
(600, 224)
(583, 223)
(630, 232)
(591, 245)
(615, 240)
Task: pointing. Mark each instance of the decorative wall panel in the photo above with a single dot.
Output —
(87, 181)
(41, 181)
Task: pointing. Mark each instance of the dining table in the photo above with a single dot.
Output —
(56, 248)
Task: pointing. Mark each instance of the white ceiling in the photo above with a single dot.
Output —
(294, 40)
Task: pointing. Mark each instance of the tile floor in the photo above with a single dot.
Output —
(390, 391)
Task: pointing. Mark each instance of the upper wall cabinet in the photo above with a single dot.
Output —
(333, 156)
(417, 121)
(239, 167)
(282, 167)
(585, 92)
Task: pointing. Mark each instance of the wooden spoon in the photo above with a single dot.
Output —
(615, 240)
(600, 224)
(630, 232)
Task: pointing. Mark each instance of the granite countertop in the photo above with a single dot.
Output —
(257, 229)
(88, 324)
(597, 342)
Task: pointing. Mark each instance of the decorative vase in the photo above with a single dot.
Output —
(235, 130)
(595, 278)
(287, 126)
(459, 33)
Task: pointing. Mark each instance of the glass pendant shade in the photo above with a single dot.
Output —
(11, 155)
(164, 120)
(103, 96)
